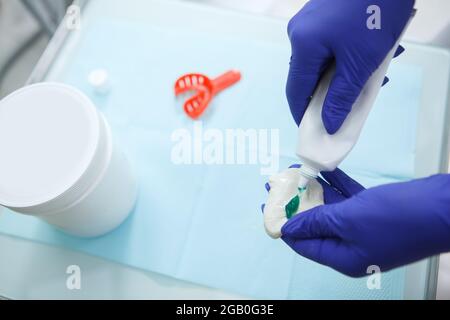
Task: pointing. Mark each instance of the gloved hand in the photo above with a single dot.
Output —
(327, 31)
(388, 226)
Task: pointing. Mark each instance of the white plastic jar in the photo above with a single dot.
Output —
(58, 161)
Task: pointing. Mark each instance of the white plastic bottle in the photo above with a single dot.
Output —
(319, 151)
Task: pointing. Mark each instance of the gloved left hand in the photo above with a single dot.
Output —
(335, 31)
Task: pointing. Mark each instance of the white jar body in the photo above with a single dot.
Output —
(105, 206)
(79, 180)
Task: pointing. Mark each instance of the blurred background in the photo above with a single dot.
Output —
(26, 26)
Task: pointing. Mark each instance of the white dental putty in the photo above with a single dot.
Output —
(286, 199)
(59, 162)
(99, 80)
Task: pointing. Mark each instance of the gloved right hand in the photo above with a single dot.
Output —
(387, 226)
(335, 31)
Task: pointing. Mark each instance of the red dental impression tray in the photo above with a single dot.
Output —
(205, 89)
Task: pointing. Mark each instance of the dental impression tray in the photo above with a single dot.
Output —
(286, 200)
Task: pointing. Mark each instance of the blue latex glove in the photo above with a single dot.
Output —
(327, 31)
(388, 226)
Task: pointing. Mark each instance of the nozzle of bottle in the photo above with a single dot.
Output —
(307, 174)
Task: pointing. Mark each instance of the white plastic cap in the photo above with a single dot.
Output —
(99, 80)
(52, 143)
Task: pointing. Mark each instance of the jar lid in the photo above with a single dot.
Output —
(49, 134)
